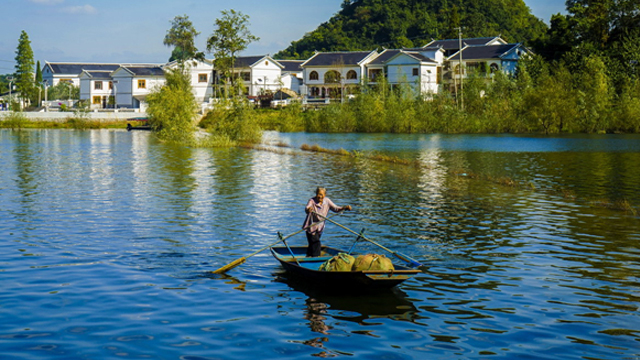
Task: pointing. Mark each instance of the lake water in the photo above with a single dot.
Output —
(530, 246)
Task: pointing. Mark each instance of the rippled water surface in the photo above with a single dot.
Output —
(530, 246)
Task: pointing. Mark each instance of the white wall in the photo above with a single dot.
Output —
(264, 76)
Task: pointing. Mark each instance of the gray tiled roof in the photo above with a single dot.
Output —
(146, 70)
(384, 56)
(246, 61)
(291, 65)
(337, 58)
(484, 52)
(454, 44)
(419, 56)
(100, 75)
(77, 68)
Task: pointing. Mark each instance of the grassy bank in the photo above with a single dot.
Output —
(19, 121)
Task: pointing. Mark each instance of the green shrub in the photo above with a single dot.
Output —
(14, 120)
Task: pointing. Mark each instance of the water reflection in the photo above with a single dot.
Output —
(541, 271)
(361, 308)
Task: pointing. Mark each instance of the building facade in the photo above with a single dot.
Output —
(440, 64)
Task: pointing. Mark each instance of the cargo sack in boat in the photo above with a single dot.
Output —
(340, 262)
(372, 262)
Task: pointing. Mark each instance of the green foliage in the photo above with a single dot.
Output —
(237, 122)
(25, 63)
(62, 90)
(182, 37)
(369, 24)
(172, 108)
(231, 35)
(14, 120)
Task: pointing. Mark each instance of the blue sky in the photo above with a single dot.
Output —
(132, 30)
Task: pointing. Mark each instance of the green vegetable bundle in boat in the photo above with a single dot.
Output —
(340, 262)
(371, 262)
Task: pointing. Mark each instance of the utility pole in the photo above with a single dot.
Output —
(10, 78)
(461, 81)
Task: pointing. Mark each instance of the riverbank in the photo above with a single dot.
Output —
(66, 120)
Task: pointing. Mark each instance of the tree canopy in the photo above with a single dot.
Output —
(230, 36)
(182, 37)
(370, 24)
(24, 67)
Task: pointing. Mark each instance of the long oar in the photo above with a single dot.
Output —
(237, 262)
(402, 257)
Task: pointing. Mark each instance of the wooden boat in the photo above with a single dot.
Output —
(144, 124)
(293, 260)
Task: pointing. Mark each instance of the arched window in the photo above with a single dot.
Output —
(494, 67)
(352, 75)
(313, 75)
(331, 76)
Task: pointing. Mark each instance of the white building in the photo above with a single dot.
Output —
(292, 75)
(202, 77)
(55, 72)
(332, 74)
(487, 59)
(418, 68)
(125, 87)
(260, 74)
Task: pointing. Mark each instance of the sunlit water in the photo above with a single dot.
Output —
(530, 246)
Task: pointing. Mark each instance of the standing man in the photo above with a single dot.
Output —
(319, 204)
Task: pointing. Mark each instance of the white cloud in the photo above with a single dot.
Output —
(84, 9)
(47, 2)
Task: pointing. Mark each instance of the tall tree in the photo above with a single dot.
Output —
(38, 74)
(230, 36)
(182, 37)
(24, 68)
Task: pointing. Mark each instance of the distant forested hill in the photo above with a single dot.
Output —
(370, 24)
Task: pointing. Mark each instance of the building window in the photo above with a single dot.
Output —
(266, 63)
(97, 85)
(374, 74)
(96, 100)
(142, 84)
(313, 75)
(352, 75)
(203, 78)
(110, 85)
(246, 76)
(415, 72)
(494, 67)
(69, 81)
(332, 76)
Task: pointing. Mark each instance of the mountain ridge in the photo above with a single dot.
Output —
(371, 24)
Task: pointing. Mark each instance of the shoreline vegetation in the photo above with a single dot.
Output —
(538, 100)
